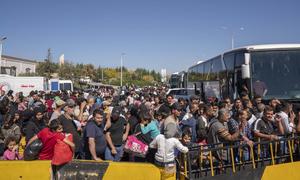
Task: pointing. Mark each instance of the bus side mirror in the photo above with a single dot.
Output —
(245, 71)
(247, 58)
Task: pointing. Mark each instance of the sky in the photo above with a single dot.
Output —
(153, 34)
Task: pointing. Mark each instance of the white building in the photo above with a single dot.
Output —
(163, 73)
(15, 66)
(61, 59)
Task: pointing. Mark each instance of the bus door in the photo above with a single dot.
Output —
(230, 84)
(241, 85)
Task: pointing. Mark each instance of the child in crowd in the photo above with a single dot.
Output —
(194, 153)
(165, 155)
(11, 152)
(149, 125)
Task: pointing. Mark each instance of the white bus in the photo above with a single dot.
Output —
(271, 71)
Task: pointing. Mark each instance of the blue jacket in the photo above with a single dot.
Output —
(152, 127)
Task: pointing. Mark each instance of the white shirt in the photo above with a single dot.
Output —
(287, 126)
(165, 148)
(205, 121)
(251, 120)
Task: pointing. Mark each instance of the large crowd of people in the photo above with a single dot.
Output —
(101, 120)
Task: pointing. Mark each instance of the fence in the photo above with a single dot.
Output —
(216, 159)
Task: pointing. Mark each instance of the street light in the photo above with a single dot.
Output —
(3, 38)
(122, 69)
(232, 34)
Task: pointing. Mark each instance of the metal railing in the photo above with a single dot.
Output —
(214, 159)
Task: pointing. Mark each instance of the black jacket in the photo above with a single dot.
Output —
(69, 126)
(33, 127)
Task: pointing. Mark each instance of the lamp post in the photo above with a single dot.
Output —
(232, 34)
(1, 41)
(121, 83)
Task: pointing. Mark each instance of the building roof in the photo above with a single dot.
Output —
(18, 59)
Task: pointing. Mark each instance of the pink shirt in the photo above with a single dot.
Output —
(10, 155)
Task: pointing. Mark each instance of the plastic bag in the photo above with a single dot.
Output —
(32, 150)
(135, 146)
(62, 152)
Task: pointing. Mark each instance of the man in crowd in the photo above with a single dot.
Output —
(171, 124)
(94, 137)
(264, 127)
(116, 135)
(288, 117)
(69, 126)
(203, 121)
(218, 133)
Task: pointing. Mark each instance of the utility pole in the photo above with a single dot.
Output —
(48, 63)
(121, 83)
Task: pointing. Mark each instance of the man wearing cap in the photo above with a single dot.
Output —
(70, 126)
(115, 135)
(57, 110)
(171, 123)
(107, 107)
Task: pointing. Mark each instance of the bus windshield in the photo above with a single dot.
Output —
(276, 74)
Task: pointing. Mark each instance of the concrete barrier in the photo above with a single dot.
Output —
(132, 171)
(282, 171)
(27, 170)
(78, 169)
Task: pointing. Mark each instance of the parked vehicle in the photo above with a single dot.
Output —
(22, 84)
(57, 84)
(26, 84)
(185, 93)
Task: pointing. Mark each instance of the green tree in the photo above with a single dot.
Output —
(46, 68)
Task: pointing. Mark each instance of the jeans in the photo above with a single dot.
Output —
(116, 157)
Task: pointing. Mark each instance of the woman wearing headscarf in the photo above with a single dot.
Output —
(36, 124)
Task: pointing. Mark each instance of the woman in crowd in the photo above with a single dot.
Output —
(36, 124)
(10, 127)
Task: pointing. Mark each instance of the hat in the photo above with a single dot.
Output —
(37, 104)
(176, 106)
(70, 103)
(122, 103)
(59, 102)
(106, 103)
(56, 98)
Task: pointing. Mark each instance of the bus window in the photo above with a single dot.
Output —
(207, 70)
(239, 59)
(229, 61)
(67, 86)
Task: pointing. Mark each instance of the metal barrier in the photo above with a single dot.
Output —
(212, 160)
